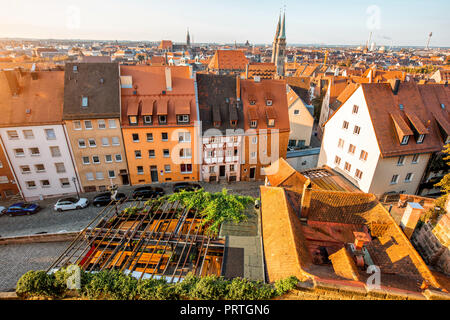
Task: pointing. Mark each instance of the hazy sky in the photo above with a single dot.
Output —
(401, 22)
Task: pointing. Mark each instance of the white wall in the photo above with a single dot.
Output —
(40, 141)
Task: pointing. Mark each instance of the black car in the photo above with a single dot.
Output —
(147, 193)
(177, 187)
(104, 199)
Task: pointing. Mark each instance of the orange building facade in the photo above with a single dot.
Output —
(158, 123)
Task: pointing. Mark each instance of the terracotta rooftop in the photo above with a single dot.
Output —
(228, 60)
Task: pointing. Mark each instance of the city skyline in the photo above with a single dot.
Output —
(391, 23)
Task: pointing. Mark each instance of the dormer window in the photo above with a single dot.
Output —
(216, 124)
(162, 119)
(405, 140)
(75, 69)
(133, 119)
(183, 118)
(271, 122)
(233, 123)
(269, 102)
(148, 119)
(253, 123)
(252, 102)
(84, 102)
(420, 138)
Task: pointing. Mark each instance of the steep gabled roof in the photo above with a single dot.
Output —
(228, 60)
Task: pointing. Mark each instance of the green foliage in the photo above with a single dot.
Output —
(185, 287)
(285, 285)
(215, 208)
(244, 289)
(210, 287)
(420, 70)
(156, 289)
(111, 284)
(37, 283)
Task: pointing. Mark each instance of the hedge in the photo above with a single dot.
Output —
(114, 285)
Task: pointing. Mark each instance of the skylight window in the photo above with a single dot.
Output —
(84, 102)
(442, 106)
(401, 107)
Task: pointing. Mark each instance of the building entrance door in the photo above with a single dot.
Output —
(252, 172)
(222, 171)
(154, 173)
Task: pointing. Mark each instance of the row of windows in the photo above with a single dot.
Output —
(162, 119)
(219, 153)
(352, 149)
(96, 159)
(184, 153)
(39, 168)
(20, 152)
(28, 134)
(31, 184)
(231, 168)
(356, 129)
(184, 168)
(401, 159)
(99, 175)
(101, 124)
(408, 178)
(348, 167)
(182, 137)
(92, 142)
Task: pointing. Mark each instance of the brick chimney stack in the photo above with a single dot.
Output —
(410, 217)
(168, 79)
(361, 239)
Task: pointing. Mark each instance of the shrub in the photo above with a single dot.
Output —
(210, 287)
(284, 285)
(185, 287)
(111, 284)
(244, 289)
(156, 289)
(36, 283)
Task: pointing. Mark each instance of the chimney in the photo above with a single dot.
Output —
(306, 200)
(168, 79)
(410, 217)
(394, 85)
(238, 88)
(361, 239)
(13, 83)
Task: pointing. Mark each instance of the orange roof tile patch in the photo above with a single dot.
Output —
(228, 60)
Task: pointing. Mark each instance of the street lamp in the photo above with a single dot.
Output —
(75, 184)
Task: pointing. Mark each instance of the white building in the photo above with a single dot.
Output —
(383, 135)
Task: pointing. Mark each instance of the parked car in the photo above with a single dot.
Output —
(71, 204)
(104, 199)
(147, 193)
(177, 187)
(2, 210)
(22, 208)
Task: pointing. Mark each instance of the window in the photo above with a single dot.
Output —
(4, 179)
(149, 137)
(355, 109)
(60, 168)
(86, 160)
(55, 152)
(415, 158)
(394, 179)
(133, 119)
(111, 174)
(401, 106)
(99, 175)
(253, 124)
(186, 168)
(341, 143)
(408, 177)
(96, 159)
(112, 123)
(140, 170)
(420, 138)
(64, 182)
(269, 102)
(92, 143)
(19, 152)
(108, 158)
(1, 164)
(167, 168)
(363, 155)
(358, 174)
(148, 119)
(212, 169)
(89, 176)
(356, 130)
(77, 125)
(405, 140)
(345, 125)
(164, 136)
(337, 160)
(101, 124)
(105, 142)
(81, 143)
(118, 157)
(135, 137)
(75, 69)
(347, 166)
(12, 134)
(34, 151)
(253, 155)
(115, 141)
(231, 167)
(162, 119)
(30, 184)
(50, 134)
(351, 149)
(84, 102)
(184, 137)
(45, 184)
(254, 140)
(137, 154)
(183, 118)
(39, 168)
(166, 153)
(25, 169)
(296, 111)
(186, 153)
(151, 153)
(88, 124)
(28, 134)
(271, 122)
(401, 160)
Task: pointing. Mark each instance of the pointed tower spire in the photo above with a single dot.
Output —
(283, 27)
(188, 38)
(278, 27)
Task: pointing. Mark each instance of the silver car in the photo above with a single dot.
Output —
(71, 204)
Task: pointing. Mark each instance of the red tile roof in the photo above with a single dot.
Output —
(228, 60)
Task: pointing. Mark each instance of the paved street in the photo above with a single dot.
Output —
(49, 221)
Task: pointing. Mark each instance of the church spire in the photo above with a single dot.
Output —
(283, 27)
(277, 34)
(188, 38)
